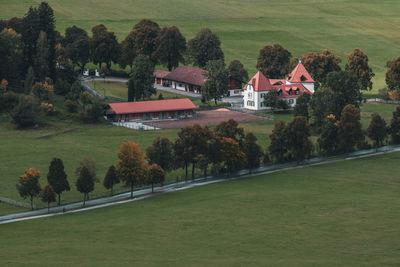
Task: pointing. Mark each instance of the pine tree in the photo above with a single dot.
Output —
(57, 177)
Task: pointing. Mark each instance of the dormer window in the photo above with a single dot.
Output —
(303, 78)
(297, 91)
(280, 92)
(290, 92)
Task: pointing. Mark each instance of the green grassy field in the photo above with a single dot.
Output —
(71, 141)
(338, 214)
(244, 27)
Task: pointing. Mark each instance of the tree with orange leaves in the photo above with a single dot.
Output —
(28, 185)
(231, 155)
(131, 166)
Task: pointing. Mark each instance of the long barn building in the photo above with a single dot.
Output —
(150, 110)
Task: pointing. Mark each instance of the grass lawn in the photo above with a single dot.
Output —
(338, 214)
(244, 27)
(7, 208)
(71, 141)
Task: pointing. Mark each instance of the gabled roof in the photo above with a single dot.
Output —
(151, 106)
(285, 88)
(160, 73)
(260, 82)
(189, 75)
(300, 74)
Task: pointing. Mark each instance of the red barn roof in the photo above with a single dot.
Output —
(188, 75)
(299, 75)
(160, 73)
(151, 106)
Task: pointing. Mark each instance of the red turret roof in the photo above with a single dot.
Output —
(300, 74)
(260, 82)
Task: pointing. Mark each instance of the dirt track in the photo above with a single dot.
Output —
(208, 117)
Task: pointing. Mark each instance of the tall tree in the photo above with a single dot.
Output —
(297, 134)
(171, 46)
(128, 51)
(395, 126)
(217, 80)
(328, 141)
(278, 145)
(273, 61)
(271, 100)
(90, 164)
(131, 166)
(111, 179)
(41, 57)
(357, 63)
(77, 46)
(85, 183)
(146, 34)
(11, 57)
(161, 153)
(48, 195)
(302, 105)
(321, 106)
(57, 177)
(156, 175)
(319, 65)
(231, 154)
(104, 46)
(393, 74)
(377, 130)
(230, 129)
(140, 85)
(203, 47)
(237, 71)
(345, 90)
(28, 185)
(26, 113)
(252, 150)
(350, 132)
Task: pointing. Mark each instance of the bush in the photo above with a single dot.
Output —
(93, 112)
(48, 109)
(72, 106)
(8, 101)
(384, 93)
(26, 113)
(62, 87)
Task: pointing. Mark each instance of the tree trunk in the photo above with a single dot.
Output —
(31, 202)
(48, 207)
(59, 199)
(193, 167)
(152, 187)
(84, 199)
(186, 171)
(132, 190)
(215, 101)
(112, 190)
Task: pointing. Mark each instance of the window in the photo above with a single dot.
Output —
(291, 101)
(290, 92)
(250, 103)
(297, 91)
(280, 92)
(249, 95)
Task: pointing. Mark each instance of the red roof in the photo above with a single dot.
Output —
(160, 73)
(189, 75)
(285, 88)
(260, 82)
(151, 106)
(300, 74)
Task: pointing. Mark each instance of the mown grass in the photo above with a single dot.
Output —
(338, 214)
(244, 27)
(71, 140)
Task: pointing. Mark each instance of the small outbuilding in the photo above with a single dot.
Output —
(150, 110)
(187, 79)
(159, 76)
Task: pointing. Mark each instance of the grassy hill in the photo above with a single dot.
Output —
(244, 27)
(338, 214)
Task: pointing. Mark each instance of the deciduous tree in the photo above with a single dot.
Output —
(140, 85)
(146, 34)
(104, 46)
(395, 126)
(131, 166)
(161, 153)
(328, 141)
(43, 90)
(237, 71)
(90, 164)
(273, 61)
(111, 179)
(319, 65)
(350, 132)
(203, 47)
(377, 130)
(57, 177)
(230, 129)
(217, 82)
(393, 74)
(171, 45)
(26, 113)
(232, 156)
(278, 145)
(252, 150)
(297, 134)
(302, 105)
(156, 175)
(128, 51)
(77, 46)
(48, 195)
(321, 106)
(271, 100)
(85, 183)
(28, 185)
(357, 63)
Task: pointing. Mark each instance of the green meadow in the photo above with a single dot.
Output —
(340, 214)
(244, 27)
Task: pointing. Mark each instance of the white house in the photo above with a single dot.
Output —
(298, 82)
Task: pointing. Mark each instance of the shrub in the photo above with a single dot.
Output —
(47, 108)
(62, 87)
(26, 113)
(71, 106)
(8, 101)
(384, 93)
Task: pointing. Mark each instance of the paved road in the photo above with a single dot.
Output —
(121, 198)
